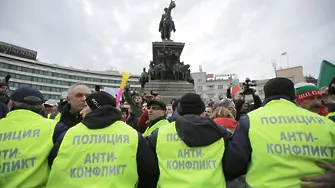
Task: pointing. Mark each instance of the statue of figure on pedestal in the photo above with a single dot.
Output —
(144, 78)
(166, 25)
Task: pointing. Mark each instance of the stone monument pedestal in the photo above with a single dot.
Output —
(169, 90)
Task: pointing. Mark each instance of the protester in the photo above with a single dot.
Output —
(135, 102)
(143, 122)
(241, 106)
(169, 110)
(208, 111)
(144, 107)
(189, 150)
(26, 141)
(104, 148)
(157, 116)
(70, 113)
(124, 114)
(50, 106)
(281, 137)
(4, 98)
(329, 99)
(309, 97)
(226, 103)
(174, 107)
(223, 117)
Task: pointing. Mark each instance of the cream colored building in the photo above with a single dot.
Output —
(295, 74)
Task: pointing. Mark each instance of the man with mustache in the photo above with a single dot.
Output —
(309, 97)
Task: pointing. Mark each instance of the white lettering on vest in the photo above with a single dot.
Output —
(291, 119)
(100, 139)
(19, 135)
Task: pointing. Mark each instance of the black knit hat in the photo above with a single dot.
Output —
(27, 95)
(191, 103)
(99, 99)
(279, 86)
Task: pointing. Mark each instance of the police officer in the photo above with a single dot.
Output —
(157, 116)
(26, 139)
(102, 151)
(281, 137)
(190, 149)
(69, 114)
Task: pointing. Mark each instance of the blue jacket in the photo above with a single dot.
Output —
(105, 116)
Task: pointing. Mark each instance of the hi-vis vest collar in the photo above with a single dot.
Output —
(157, 125)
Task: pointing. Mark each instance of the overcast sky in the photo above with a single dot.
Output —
(224, 36)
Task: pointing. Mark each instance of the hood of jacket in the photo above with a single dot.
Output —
(102, 117)
(196, 131)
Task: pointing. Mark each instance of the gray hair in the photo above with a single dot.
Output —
(70, 90)
(23, 106)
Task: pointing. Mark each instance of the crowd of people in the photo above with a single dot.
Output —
(287, 140)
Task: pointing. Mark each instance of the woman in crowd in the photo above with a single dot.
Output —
(223, 117)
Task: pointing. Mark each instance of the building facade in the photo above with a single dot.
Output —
(294, 73)
(52, 80)
(260, 88)
(209, 86)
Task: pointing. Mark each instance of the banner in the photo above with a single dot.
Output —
(327, 73)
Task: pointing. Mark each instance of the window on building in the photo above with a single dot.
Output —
(199, 79)
(4, 65)
(211, 96)
(220, 86)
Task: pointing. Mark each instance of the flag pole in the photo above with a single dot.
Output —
(288, 62)
(274, 65)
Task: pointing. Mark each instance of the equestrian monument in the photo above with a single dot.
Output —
(167, 75)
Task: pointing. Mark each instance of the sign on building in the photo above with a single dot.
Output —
(17, 51)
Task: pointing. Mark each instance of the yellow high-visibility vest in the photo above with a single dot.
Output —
(157, 125)
(331, 114)
(96, 158)
(286, 141)
(184, 167)
(25, 144)
(55, 116)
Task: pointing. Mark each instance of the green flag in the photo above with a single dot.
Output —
(327, 73)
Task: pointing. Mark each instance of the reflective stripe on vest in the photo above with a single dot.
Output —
(184, 167)
(26, 142)
(56, 116)
(96, 158)
(287, 140)
(331, 114)
(157, 125)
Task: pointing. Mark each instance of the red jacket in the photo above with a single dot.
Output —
(143, 121)
(323, 111)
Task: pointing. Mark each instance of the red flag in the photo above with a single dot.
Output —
(235, 87)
